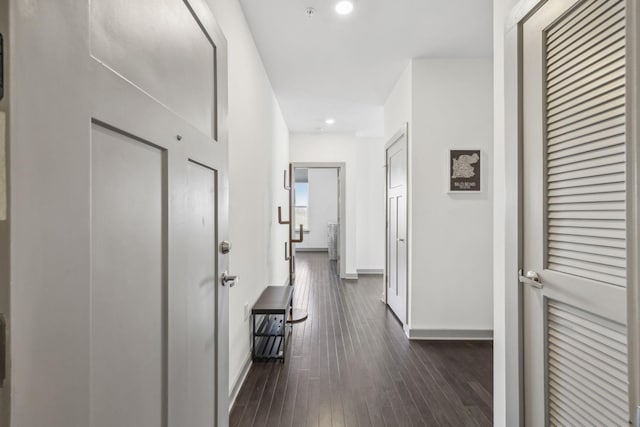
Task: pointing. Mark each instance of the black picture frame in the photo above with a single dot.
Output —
(465, 171)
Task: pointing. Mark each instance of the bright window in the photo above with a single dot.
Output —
(302, 199)
(302, 205)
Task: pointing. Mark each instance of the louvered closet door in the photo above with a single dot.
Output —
(574, 197)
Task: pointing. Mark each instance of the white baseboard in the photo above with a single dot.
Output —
(237, 385)
(371, 271)
(311, 249)
(450, 334)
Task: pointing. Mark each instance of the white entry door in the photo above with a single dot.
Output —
(119, 178)
(575, 210)
(396, 277)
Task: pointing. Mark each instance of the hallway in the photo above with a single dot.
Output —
(350, 364)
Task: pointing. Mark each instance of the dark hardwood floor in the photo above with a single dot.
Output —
(350, 364)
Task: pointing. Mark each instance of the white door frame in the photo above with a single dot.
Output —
(342, 204)
(514, 403)
(402, 132)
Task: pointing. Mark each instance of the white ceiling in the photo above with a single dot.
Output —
(345, 66)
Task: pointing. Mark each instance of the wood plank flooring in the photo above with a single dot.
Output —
(350, 364)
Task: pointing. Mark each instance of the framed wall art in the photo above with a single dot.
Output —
(465, 171)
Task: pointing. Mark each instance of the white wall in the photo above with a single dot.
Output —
(448, 104)
(323, 207)
(364, 193)
(397, 108)
(370, 215)
(452, 264)
(258, 154)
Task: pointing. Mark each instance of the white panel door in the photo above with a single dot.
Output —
(201, 287)
(574, 213)
(128, 281)
(119, 175)
(396, 280)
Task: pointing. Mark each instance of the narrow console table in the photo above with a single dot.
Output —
(269, 319)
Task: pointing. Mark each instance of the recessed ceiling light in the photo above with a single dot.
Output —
(330, 121)
(344, 7)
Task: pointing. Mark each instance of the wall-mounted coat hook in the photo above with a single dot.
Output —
(287, 256)
(301, 237)
(280, 221)
(287, 184)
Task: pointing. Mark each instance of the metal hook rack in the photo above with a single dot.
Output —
(297, 314)
(280, 221)
(287, 257)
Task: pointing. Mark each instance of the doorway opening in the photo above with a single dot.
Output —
(320, 207)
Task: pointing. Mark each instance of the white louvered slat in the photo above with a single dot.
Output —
(567, 86)
(591, 415)
(585, 388)
(575, 86)
(566, 74)
(589, 250)
(602, 206)
(585, 143)
(581, 99)
(588, 28)
(593, 241)
(589, 258)
(612, 394)
(589, 7)
(588, 231)
(608, 49)
(588, 181)
(595, 110)
(598, 38)
(603, 188)
(587, 373)
(586, 362)
(592, 141)
(564, 158)
(586, 125)
(585, 223)
(575, 107)
(616, 122)
(618, 196)
(605, 160)
(569, 23)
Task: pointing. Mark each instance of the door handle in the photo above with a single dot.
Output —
(400, 239)
(531, 278)
(228, 280)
